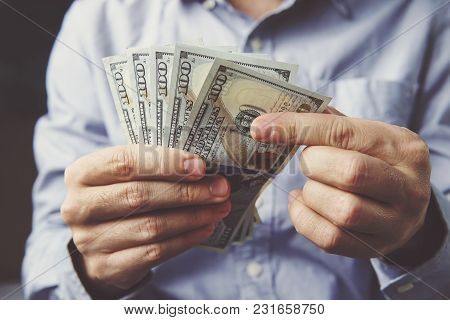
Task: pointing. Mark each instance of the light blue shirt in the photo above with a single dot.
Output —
(381, 60)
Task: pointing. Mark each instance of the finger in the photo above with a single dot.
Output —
(373, 138)
(125, 268)
(135, 162)
(325, 234)
(332, 110)
(345, 209)
(353, 171)
(146, 228)
(124, 199)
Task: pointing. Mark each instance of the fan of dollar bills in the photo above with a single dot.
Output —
(203, 100)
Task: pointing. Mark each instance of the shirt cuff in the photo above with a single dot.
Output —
(72, 286)
(427, 281)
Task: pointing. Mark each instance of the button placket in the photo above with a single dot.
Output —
(254, 269)
(253, 272)
(256, 44)
(405, 287)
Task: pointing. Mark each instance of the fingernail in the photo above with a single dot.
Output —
(265, 131)
(260, 129)
(219, 187)
(195, 167)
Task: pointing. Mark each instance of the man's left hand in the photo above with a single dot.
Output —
(369, 182)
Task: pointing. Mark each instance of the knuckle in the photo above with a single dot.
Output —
(424, 195)
(69, 175)
(340, 134)
(304, 162)
(124, 163)
(97, 268)
(356, 173)
(102, 199)
(153, 227)
(308, 190)
(419, 151)
(154, 252)
(414, 149)
(81, 241)
(421, 195)
(135, 196)
(296, 212)
(186, 192)
(121, 280)
(69, 211)
(75, 173)
(331, 240)
(117, 275)
(110, 274)
(296, 220)
(349, 214)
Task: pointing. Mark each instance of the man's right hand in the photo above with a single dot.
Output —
(125, 221)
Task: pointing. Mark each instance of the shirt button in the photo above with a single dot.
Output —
(405, 287)
(209, 4)
(256, 44)
(254, 269)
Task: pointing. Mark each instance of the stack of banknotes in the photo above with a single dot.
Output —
(203, 100)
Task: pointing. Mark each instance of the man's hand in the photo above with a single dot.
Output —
(369, 182)
(125, 221)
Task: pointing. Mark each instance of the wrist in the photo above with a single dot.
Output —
(425, 243)
(95, 289)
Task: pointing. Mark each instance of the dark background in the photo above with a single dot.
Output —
(23, 59)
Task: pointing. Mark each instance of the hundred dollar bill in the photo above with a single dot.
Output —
(264, 56)
(190, 68)
(244, 230)
(161, 58)
(231, 98)
(219, 131)
(245, 187)
(139, 64)
(116, 68)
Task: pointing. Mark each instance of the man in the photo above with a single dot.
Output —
(367, 221)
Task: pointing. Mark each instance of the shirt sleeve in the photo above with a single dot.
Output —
(72, 127)
(432, 121)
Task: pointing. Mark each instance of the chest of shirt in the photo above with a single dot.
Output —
(360, 62)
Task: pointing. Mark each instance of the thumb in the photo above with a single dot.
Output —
(333, 110)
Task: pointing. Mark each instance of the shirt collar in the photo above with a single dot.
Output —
(342, 6)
